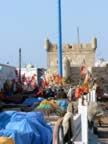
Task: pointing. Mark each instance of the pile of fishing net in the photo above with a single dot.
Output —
(48, 107)
(6, 140)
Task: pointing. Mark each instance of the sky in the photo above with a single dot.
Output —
(26, 24)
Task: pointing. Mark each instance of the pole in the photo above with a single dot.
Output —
(59, 40)
(78, 37)
(19, 64)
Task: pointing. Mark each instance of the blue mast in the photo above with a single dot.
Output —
(59, 39)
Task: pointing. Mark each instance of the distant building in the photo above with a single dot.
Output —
(75, 54)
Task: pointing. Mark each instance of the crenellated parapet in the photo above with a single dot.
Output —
(71, 47)
(75, 53)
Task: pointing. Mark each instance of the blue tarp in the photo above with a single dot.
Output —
(31, 101)
(62, 104)
(5, 118)
(29, 128)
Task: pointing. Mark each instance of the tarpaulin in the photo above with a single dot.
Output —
(20, 137)
(29, 128)
(5, 118)
(62, 104)
(31, 101)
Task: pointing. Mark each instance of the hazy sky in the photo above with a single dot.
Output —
(26, 23)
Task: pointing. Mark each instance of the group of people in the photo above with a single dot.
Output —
(91, 88)
(11, 87)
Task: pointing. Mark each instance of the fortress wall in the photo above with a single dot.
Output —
(74, 52)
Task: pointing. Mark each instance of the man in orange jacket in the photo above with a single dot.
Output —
(78, 92)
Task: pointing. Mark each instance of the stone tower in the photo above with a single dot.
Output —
(75, 53)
